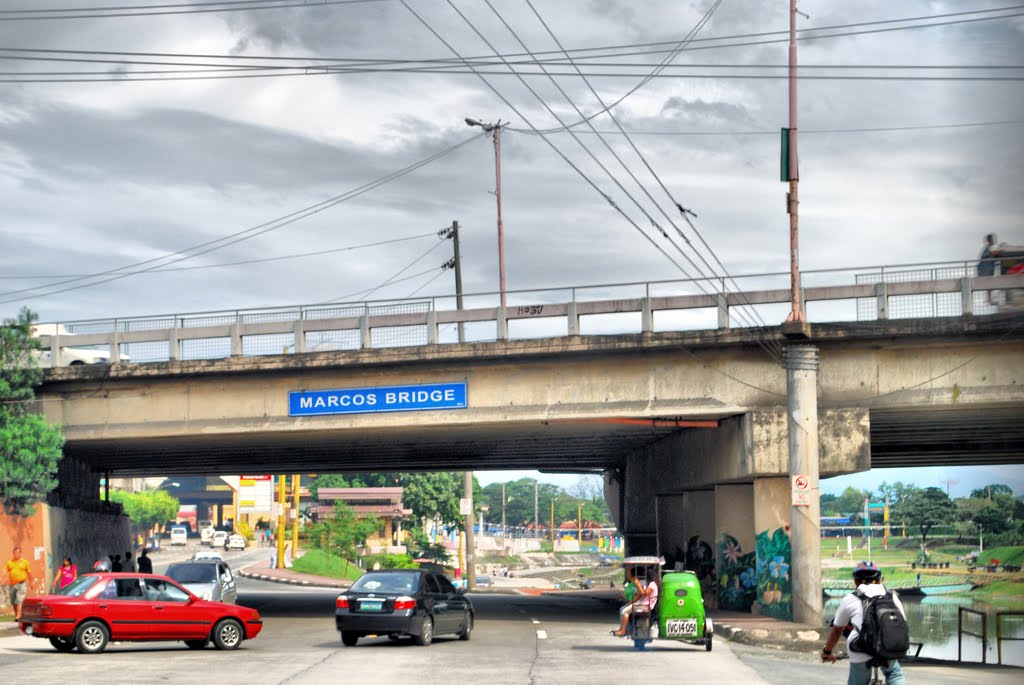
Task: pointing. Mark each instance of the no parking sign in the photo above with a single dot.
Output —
(801, 490)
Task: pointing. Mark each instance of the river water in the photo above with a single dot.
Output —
(933, 621)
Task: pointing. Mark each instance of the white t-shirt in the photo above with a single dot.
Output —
(851, 612)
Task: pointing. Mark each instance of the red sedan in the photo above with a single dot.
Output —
(100, 607)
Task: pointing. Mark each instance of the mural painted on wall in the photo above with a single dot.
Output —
(737, 575)
(774, 583)
(700, 558)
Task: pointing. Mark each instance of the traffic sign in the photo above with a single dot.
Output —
(801, 490)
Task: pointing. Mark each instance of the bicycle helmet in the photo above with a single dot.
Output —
(867, 572)
(101, 566)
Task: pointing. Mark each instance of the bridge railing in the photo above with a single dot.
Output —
(742, 301)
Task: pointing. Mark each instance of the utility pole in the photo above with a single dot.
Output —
(495, 131)
(503, 516)
(792, 174)
(295, 514)
(467, 521)
(801, 364)
(458, 279)
(536, 511)
(552, 522)
(282, 503)
(579, 525)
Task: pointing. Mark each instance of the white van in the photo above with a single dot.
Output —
(179, 535)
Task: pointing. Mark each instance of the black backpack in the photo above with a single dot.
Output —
(884, 633)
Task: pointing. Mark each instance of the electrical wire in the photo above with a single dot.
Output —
(229, 264)
(390, 281)
(168, 9)
(775, 348)
(398, 273)
(239, 236)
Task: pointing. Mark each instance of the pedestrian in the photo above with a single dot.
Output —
(19, 575)
(115, 564)
(987, 264)
(66, 574)
(128, 565)
(145, 563)
(867, 580)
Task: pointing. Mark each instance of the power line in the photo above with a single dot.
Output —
(803, 131)
(167, 9)
(228, 264)
(390, 281)
(654, 174)
(239, 236)
(398, 273)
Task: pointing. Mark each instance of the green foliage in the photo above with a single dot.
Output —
(319, 563)
(389, 561)
(429, 495)
(737, 575)
(30, 448)
(147, 509)
(993, 490)
(519, 509)
(923, 509)
(341, 532)
(434, 552)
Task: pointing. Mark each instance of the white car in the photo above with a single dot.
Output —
(179, 535)
(70, 356)
(207, 555)
(219, 539)
(236, 541)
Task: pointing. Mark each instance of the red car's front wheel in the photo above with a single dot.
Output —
(228, 634)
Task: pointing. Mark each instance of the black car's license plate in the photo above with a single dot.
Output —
(371, 606)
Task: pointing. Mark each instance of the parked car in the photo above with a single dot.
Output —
(179, 535)
(403, 602)
(219, 539)
(205, 534)
(208, 579)
(235, 541)
(484, 581)
(126, 607)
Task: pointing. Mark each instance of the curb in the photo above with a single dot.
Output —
(807, 640)
(286, 581)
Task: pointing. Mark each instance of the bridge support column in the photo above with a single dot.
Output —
(773, 546)
(801, 363)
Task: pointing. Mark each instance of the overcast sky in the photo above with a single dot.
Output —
(102, 176)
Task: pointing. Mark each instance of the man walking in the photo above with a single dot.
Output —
(18, 574)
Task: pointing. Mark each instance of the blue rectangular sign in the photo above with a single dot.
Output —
(371, 400)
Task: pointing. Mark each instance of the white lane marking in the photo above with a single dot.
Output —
(541, 635)
(535, 620)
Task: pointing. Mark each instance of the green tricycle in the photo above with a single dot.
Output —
(679, 612)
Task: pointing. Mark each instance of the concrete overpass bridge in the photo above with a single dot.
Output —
(688, 427)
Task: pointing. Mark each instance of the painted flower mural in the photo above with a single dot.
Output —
(737, 577)
(774, 584)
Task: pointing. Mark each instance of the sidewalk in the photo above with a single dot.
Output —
(261, 570)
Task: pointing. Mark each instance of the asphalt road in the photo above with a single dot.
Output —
(519, 639)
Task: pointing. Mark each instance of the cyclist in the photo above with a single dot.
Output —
(867, 580)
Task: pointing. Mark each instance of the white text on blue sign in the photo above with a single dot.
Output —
(383, 399)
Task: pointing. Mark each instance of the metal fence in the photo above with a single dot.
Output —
(749, 301)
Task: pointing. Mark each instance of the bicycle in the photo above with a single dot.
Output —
(877, 677)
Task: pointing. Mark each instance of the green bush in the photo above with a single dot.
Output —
(319, 563)
(388, 561)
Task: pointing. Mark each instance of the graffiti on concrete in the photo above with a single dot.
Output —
(737, 575)
(774, 583)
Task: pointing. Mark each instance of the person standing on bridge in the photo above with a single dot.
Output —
(987, 265)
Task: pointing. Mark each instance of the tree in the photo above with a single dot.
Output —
(30, 448)
(925, 508)
(342, 531)
(433, 495)
(851, 501)
(990, 491)
(147, 509)
(895, 492)
(993, 519)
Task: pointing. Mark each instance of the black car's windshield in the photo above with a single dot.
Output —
(77, 587)
(406, 583)
(192, 573)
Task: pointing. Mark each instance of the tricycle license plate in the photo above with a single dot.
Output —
(677, 627)
(371, 606)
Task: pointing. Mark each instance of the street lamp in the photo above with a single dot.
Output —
(495, 131)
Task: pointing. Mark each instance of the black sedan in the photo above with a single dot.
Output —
(400, 602)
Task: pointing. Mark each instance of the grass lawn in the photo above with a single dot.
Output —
(318, 563)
